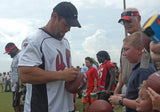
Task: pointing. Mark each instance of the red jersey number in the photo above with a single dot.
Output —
(60, 65)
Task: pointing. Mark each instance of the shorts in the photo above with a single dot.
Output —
(16, 99)
(87, 99)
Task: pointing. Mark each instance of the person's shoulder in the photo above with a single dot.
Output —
(109, 64)
(149, 68)
(93, 68)
(65, 39)
(37, 35)
(146, 71)
(36, 38)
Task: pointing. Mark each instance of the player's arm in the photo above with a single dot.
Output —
(115, 100)
(112, 78)
(129, 103)
(95, 80)
(36, 75)
(95, 84)
(119, 85)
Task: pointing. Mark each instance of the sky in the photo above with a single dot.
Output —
(98, 18)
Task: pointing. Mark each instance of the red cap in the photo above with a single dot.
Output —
(128, 15)
(8, 49)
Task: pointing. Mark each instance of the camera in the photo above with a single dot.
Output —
(152, 28)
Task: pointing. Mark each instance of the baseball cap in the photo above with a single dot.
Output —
(69, 12)
(128, 14)
(9, 47)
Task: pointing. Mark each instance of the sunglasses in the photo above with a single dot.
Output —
(126, 21)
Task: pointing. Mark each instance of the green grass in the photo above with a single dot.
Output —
(6, 103)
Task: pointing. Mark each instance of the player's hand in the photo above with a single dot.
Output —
(155, 97)
(95, 90)
(114, 99)
(69, 74)
(108, 92)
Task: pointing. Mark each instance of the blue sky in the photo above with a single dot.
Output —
(100, 29)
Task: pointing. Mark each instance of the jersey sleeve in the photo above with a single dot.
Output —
(31, 56)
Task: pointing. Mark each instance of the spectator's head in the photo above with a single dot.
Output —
(78, 68)
(131, 18)
(11, 49)
(116, 67)
(143, 102)
(4, 73)
(88, 62)
(102, 56)
(132, 47)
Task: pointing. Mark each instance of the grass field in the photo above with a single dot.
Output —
(6, 103)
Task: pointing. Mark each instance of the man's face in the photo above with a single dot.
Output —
(60, 27)
(132, 26)
(100, 59)
(12, 53)
(88, 63)
(130, 52)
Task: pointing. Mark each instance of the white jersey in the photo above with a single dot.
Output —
(1, 79)
(14, 71)
(52, 96)
(7, 77)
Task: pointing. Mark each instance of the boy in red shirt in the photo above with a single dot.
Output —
(92, 76)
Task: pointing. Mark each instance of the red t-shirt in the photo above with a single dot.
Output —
(103, 69)
(91, 75)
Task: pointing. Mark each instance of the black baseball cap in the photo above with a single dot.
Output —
(69, 12)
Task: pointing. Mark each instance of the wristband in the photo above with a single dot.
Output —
(121, 101)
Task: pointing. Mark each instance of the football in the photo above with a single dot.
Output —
(154, 81)
(76, 85)
(100, 106)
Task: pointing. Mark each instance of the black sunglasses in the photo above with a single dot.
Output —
(125, 21)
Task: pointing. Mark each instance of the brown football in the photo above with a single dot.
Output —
(76, 85)
(154, 81)
(100, 106)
